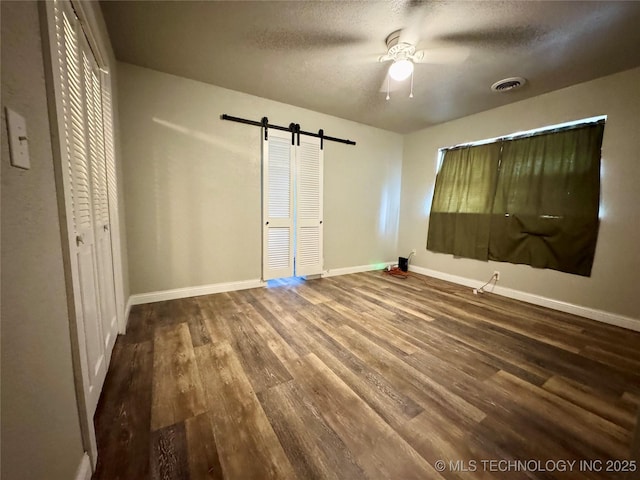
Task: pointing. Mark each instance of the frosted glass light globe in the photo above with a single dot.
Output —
(401, 69)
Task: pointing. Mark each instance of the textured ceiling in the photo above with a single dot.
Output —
(322, 55)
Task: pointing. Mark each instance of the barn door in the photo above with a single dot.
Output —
(277, 205)
(292, 206)
(308, 198)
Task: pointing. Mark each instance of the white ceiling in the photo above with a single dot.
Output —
(322, 55)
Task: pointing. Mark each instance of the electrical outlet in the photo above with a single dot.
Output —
(413, 251)
(496, 274)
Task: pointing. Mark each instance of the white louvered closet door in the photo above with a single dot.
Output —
(74, 67)
(100, 204)
(277, 205)
(309, 188)
(109, 206)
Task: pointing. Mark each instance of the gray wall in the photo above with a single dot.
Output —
(192, 183)
(613, 285)
(40, 428)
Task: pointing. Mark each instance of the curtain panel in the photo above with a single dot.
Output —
(531, 200)
(462, 201)
(545, 212)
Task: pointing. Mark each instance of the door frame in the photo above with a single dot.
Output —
(56, 118)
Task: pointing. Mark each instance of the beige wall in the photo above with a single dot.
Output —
(192, 183)
(40, 428)
(613, 286)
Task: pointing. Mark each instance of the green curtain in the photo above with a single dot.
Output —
(460, 217)
(545, 212)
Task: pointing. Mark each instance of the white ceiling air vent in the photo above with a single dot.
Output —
(507, 84)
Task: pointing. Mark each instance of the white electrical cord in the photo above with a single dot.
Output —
(481, 289)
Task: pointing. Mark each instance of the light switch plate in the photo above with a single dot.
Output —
(18, 140)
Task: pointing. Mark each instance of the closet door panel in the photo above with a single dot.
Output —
(100, 207)
(309, 197)
(277, 206)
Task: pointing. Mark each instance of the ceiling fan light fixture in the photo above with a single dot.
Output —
(401, 69)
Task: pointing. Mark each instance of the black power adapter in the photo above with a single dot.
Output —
(403, 264)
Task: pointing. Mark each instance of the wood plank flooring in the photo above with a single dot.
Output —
(365, 376)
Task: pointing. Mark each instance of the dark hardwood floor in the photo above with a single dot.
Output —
(366, 377)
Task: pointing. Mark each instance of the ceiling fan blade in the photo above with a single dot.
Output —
(493, 37)
(367, 58)
(445, 55)
(385, 58)
(412, 32)
(303, 40)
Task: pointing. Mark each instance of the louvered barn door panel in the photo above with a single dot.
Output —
(277, 206)
(74, 65)
(309, 227)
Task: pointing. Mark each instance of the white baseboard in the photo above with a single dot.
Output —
(84, 469)
(593, 314)
(358, 269)
(159, 296)
(141, 298)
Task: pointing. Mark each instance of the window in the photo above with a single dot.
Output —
(531, 199)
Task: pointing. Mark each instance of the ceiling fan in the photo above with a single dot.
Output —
(404, 55)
